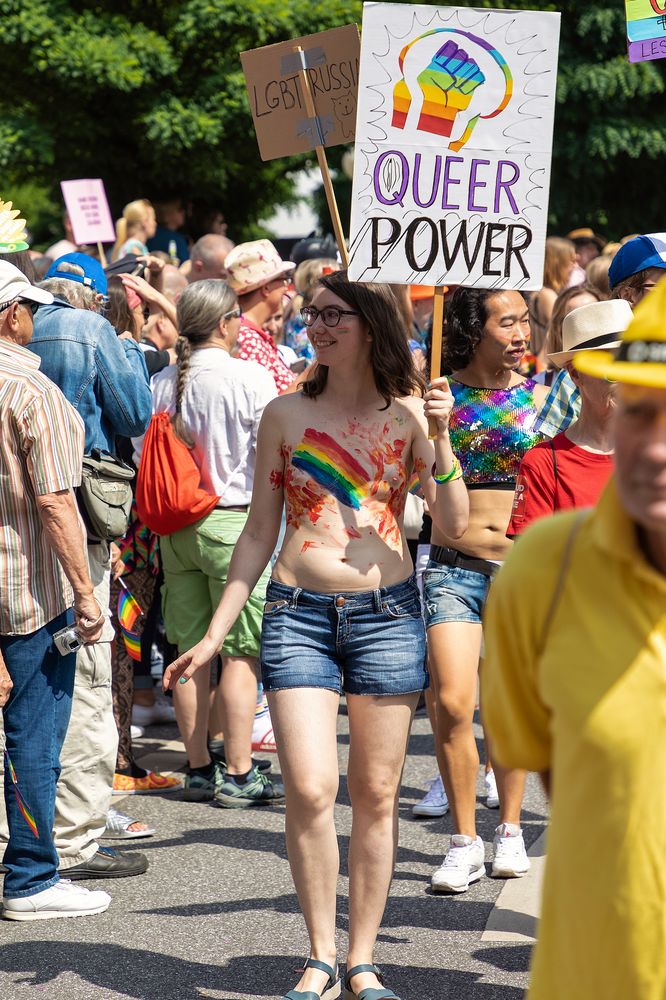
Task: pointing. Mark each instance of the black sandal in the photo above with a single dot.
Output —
(332, 989)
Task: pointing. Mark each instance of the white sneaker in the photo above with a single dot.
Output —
(509, 855)
(492, 795)
(149, 715)
(64, 899)
(462, 865)
(434, 802)
(136, 732)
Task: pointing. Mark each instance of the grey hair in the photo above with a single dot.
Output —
(78, 295)
(200, 308)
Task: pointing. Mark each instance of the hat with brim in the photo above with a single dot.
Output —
(14, 286)
(594, 327)
(641, 356)
(250, 266)
(93, 275)
(586, 235)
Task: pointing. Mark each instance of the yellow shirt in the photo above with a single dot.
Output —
(591, 708)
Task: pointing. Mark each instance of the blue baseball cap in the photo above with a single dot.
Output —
(638, 255)
(93, 273)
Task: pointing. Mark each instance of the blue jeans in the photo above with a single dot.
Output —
(369, 642)
(35, 720)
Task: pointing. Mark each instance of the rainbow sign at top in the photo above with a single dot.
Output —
(646, 29)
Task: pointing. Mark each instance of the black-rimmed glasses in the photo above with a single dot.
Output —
(330, 315)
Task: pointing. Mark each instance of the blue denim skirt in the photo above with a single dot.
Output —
(368, 643)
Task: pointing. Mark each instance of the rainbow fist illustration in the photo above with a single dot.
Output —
(448, 84)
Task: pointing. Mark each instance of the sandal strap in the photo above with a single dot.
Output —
(299, 995)
(314, 963)
(362, 968)
(373, 994)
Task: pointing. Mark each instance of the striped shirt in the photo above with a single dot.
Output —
(41, 447)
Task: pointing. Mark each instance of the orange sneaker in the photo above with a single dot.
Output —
(123, 784)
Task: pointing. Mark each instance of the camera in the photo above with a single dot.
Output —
(67, 640)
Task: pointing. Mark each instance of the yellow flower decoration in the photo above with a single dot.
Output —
(12, 229)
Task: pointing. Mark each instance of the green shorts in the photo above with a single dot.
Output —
(196, 563)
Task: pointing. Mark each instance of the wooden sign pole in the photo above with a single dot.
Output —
(323, 166)
(102, 255)
(436, 346)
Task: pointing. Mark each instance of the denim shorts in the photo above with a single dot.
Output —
(371, 643)
(453, 594)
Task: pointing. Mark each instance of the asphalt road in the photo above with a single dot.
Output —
(216, 914)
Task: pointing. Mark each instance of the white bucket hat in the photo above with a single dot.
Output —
(251, 265)
(595, 327)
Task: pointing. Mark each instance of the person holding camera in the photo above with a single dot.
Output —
(43, 572)
(105, 379)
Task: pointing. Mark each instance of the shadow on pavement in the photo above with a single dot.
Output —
(144, 975)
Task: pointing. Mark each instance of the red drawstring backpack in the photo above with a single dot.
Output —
(168, 486)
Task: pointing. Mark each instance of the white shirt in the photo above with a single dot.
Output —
(221, 408)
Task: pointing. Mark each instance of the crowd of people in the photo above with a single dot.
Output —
(338, 518)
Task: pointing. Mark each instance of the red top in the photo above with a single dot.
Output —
(254, 344)
(557, 475)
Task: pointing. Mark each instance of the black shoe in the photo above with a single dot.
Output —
(262, 765)
(108, 863)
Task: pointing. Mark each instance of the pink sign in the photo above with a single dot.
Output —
(88, 211)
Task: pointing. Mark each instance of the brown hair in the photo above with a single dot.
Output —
(117, 309)
(392, 363)
(560, 255)
(596, 273)
(554, 334)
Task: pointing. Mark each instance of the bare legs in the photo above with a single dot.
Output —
(235, 700)
(305, 725)
(454, 662)
(454, 649)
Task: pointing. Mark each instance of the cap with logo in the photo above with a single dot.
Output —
(637, 255)
(641, 357)
(15, 287)
(93, 273)
(597, 326)
(249, 266)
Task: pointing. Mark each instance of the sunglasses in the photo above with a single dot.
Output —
(233, 313)
(330, 315)
(32, 306)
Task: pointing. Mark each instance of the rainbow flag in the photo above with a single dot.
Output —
(23, 806)
(129, 611)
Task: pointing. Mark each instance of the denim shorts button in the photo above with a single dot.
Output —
(340, 602)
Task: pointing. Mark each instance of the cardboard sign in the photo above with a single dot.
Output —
(88, 211)
(453, 146)
(283, 126)
(646, 29)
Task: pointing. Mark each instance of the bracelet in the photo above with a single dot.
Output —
(455, 472)
(92, 624)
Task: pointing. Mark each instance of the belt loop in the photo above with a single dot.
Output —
(377, 601)
(294, 598)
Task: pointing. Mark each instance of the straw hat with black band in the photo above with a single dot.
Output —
(640, 358)
(597, 326)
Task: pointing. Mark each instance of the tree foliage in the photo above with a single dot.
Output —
(150, 96)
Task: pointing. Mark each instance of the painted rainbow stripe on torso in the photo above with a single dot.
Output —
(334, 468)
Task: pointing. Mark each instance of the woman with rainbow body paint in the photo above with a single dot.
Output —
(492, 426)
(342, 611)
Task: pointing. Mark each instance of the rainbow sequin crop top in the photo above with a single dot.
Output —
(491, 429)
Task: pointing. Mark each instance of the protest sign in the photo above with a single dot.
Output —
(275, 90)
(453, 145)
(88, 211)
(646, 29)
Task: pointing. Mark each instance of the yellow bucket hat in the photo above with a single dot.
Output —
(641, 357)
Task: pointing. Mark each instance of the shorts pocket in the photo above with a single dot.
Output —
(273, 608)
(410, 607)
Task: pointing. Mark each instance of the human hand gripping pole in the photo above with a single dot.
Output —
(438, 405)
